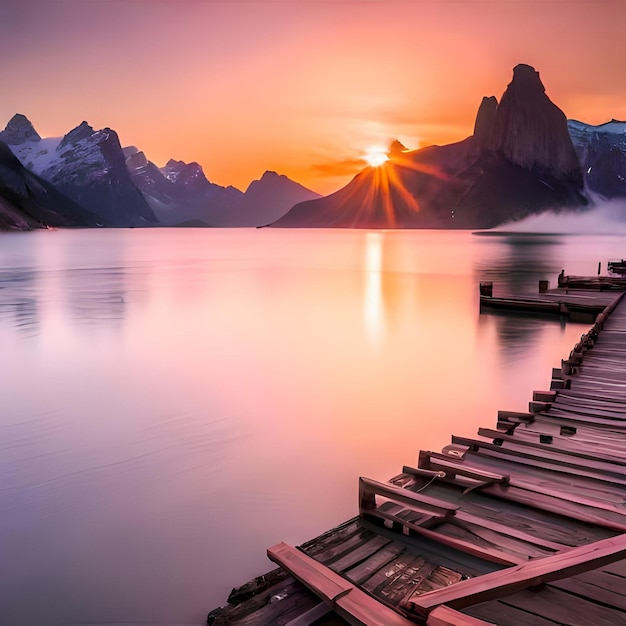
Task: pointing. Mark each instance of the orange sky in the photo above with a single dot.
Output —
(302, 87)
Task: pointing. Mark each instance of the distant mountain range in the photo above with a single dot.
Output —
(86, 179)
(520, 160)
(524, 157)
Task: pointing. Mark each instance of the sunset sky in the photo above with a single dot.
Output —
(302, 87)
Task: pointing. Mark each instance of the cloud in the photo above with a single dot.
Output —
(344, 167)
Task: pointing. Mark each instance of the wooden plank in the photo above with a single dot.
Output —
(449, 465)
(348, 601)
(585, 589)
(359, 554)
(369, 487)
(555, 477)
(505, 615)
(399, 587)
(561, 459)
(477, 532)
(523, 464)
(363, 571)
(533, 522)
(509, 531)
(445, 616)
(338, 550)
(311, 616)
(332, 537)
(550, 448)
(389, 572)
(511, 580)
(351, 603)
(359, 609)
(566, 608)
(617, 569)
(323, 582)
(493, 555)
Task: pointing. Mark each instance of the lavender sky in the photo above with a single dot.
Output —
(303, 87)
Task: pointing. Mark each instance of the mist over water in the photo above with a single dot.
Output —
(607, 217)
(175, 401)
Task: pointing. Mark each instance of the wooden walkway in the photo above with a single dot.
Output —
(525, 524)
(576, 298)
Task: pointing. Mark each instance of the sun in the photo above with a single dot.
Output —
(376, 156)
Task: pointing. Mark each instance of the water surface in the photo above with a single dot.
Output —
(175, 401)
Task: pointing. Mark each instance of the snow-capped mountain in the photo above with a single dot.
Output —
(179, 193)
(86, 165)
(27, 201)
(602, 153)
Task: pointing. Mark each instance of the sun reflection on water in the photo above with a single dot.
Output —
(373, 300)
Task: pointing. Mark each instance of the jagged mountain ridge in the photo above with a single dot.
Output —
(124, 188)
(87, 166)
(519, 161)
(180, 193)
(601, 150)
(515, 163)
(27, 201)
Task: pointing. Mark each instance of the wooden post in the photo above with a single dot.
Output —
(486, 288)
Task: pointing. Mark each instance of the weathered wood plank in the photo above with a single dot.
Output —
(537, 524)
(599, 452)
(322, 581)
(596, 593)
(478, 532)
(349, 601)
(310, 616)
(363, 552)
(566, 608)
(505, 615)
(363, 571)
(554, 457)
(554, 483)
(338, 550)
(445, 616)
(511, 580)
(369, 488)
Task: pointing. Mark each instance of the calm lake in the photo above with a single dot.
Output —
(175, 401)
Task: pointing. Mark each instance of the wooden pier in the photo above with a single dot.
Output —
(525, 524)
(577, 298)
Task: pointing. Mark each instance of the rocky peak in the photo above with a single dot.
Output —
(396, 149)
(18, 131)
(184, 173)
(82, 131)
(270, 174)
(485, 124)
(531, 131)
(136, 161)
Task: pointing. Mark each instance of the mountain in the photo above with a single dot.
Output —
(86, 165)
(27, 201)
(531, 131)
(602, 153)
(520, 160)
(179, 192)
(265, 201)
